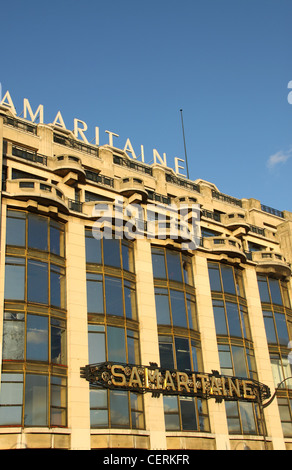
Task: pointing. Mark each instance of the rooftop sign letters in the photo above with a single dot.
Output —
(142, 379)
(80, 128)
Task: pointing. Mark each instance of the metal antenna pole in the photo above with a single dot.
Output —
(182, 123)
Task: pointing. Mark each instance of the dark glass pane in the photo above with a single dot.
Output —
(188, 414)
(37, 281)
(214, 276)
(228, 279)
(36, 391)
(275, 291)
(116, 344)
(114, 296)
(119, 406)
(182, 349)
(158, 263)
(111, 252)
(94, 293)
(128, 257)
(93, 248)
(219, 316)
(174, 266)
(178, 308)
(15, 228)
(37, 338)
(282, 329)
(270, 327)
(263, 288)
(56, 239)
(133, 347)
(233, 319)
(166, 352)
(162, 307)
(37, 232)
(57, 287)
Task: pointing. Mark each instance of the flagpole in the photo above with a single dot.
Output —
(186, 158)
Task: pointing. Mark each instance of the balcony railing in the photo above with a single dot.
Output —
(272, 211)
(224, 198)
(29, 156)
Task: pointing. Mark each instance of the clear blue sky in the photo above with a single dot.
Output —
(130, 66)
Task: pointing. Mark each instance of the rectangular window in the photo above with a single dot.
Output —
(93, 248)
(58, 286)
(174, 266)
(116, 344)
(58, 401)
(158, 263)
(15, 228)
(37, 232)
(36, 400)
(11, 398)
(178, 308)
(58, 341)
(214, 277)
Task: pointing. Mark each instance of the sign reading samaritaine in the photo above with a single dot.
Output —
(142, 379)
(80, 128)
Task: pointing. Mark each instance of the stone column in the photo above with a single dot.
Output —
(154, 413)
(78, 388)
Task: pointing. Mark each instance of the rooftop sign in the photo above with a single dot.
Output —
(80, 128)
(142, 379)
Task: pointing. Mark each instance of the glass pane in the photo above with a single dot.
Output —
(174, 266)
(128, 257)
(233, 319)
(263, 288)
(270, 327)
(10, 415)
(182, 349)
(11, 393)
(188, 414)
(162, 307)
(275, 291)
(228, 279)
(37, 338)
(214, 277)
(166, 353)
(37, 232)
(239, 361)
(119, 409)
(93, 248)
(116, 344)
(96, 347)
(178, 308)
(130, 302)
(36, 400)
(282, 329)
(58, 343)
(247, 418)
(219, 316)
(94, 293)
(171, 414)
(114, 296)
(37, 281)
(276, 369)
(239, 283)
(14, 281)
(158, 263)
(56, 241)
(13, 338)
(15, 230)
(133, 347)
(111, 252)
(57, 292)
